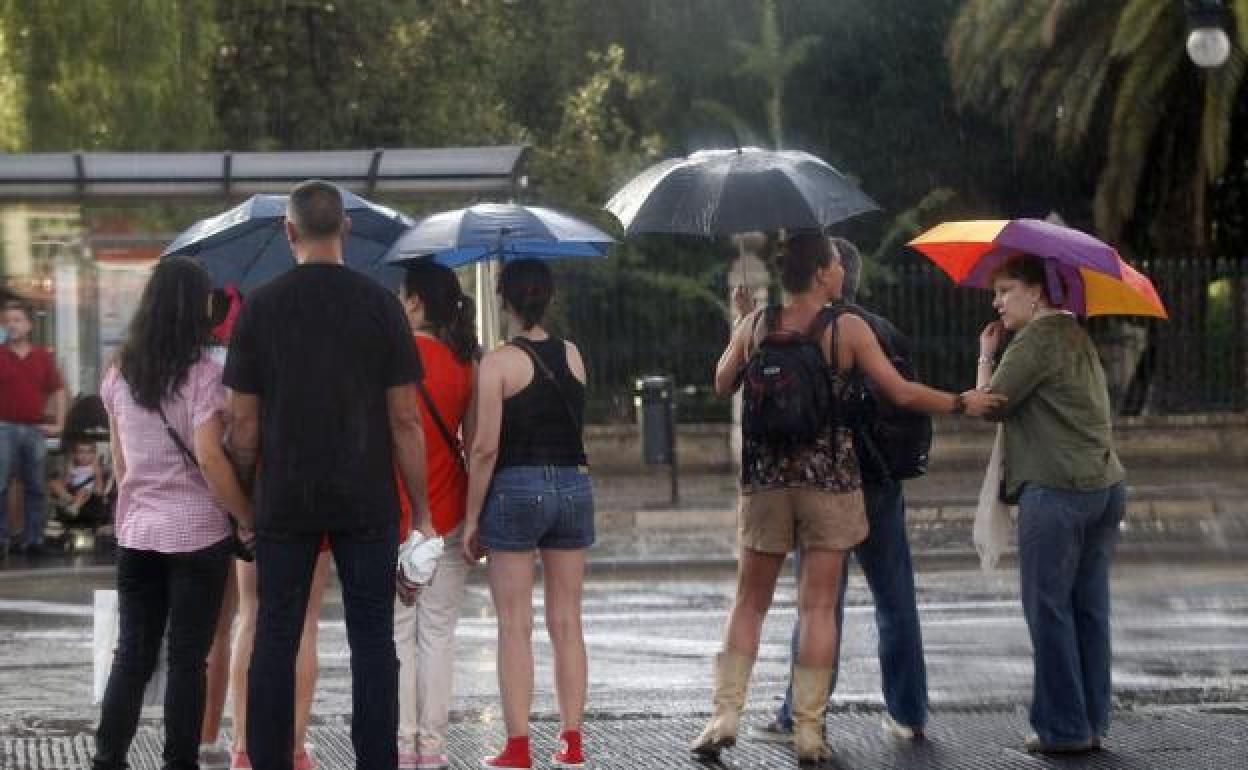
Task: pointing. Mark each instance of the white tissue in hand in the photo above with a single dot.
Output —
(418, 557)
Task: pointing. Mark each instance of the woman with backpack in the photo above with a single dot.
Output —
(800, 482)
(445, 337)
(1061, 468)
(529, 491)
(176, 490)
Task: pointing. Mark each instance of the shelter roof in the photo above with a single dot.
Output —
(393, 173)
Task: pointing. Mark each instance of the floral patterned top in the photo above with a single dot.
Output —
(830, 464)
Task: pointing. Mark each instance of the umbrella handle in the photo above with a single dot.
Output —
(1053, 281)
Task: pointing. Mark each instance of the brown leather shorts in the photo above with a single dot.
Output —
(778, 520)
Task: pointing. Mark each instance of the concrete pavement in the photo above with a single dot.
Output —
(1207, 738)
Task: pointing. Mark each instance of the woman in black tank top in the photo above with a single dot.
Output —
(529, 491)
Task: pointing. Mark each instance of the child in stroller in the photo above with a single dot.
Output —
(81, 487)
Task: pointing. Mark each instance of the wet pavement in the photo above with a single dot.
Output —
(1149, 739)
(1181, 670)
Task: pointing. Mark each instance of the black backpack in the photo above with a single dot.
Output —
(892, 443)
(786, 390)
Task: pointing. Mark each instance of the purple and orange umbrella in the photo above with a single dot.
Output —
(1085, 275)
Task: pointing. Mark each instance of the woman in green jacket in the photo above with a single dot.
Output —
(1061, 468)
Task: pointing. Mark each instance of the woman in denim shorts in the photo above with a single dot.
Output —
(529, 490)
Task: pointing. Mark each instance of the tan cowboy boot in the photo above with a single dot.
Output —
(732, 676)
(810, 700)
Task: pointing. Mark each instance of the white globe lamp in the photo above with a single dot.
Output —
(1208, 45)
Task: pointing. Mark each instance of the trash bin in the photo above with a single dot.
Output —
(656, 417)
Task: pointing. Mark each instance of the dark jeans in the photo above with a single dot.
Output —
(284, 563)
(1066, 542)
(885, 560)
(23, 452)
(184, 590)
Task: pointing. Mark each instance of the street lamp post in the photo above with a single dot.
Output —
(1208, 45)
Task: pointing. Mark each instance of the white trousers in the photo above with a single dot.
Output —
(424, 635)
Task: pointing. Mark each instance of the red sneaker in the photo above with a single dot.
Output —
(303, 760)
(514, 755)
(569, 754)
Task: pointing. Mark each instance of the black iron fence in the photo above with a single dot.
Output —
(1194, 362)
(631, 322)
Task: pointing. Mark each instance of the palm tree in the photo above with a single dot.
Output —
(1109, 80)
(770, 60)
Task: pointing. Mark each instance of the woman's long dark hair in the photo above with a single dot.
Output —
(168, 332)
(447, 309)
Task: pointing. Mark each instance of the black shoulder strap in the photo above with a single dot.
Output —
(177, 440)
(764, 321)
(826, 315)
(452, 441)
(245, 550)
(541, 366)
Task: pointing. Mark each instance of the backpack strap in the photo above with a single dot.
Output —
(765, 322)
(826, 317)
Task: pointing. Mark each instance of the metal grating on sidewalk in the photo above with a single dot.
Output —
(1213, 739)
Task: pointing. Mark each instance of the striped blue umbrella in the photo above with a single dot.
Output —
(502, 231)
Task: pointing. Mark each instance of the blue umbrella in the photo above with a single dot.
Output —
(246, 245)
(503, 231)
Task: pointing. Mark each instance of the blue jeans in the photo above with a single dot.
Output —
(182, 591)
(284, 563)
(1065, 545)
(23, 450)
(885, 560)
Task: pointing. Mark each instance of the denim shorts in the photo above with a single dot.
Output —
(538, 506)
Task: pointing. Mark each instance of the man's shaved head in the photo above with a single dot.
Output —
(316, 211)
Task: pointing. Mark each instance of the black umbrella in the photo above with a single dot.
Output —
(721, 192)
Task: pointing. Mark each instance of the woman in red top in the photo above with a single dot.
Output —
(446, 340)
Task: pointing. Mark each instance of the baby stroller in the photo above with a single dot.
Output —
(82, 488)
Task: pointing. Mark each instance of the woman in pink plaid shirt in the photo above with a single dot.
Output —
(176, 490)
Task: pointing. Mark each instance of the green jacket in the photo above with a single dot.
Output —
(1058, 423)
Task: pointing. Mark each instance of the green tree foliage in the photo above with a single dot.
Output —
(771, 60)
(109, 74)
(308, 75)
(12, 128)
(603, 136)
(1113, 75)
(1108, 84)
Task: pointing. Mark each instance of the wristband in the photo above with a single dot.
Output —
(959, 404)
(990, 360)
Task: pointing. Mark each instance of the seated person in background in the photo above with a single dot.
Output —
(80, 492)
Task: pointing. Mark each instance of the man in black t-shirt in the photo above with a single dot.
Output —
(321, 372)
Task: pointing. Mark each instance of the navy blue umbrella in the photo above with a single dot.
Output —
(246, 245)
(502, 231)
